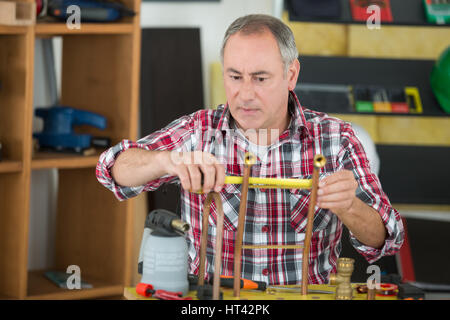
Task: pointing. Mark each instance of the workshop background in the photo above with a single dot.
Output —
(138, 73)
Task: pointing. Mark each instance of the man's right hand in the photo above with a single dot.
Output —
(194, 167)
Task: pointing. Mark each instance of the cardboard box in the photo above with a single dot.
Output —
(17, 13)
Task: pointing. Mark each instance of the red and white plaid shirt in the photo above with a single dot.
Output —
(274, 216)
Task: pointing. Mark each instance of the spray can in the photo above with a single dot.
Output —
(163, 256)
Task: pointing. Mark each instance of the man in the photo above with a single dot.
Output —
(262, 115)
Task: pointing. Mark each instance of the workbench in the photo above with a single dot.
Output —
(130, 294)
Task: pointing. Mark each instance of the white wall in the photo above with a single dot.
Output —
(43, 191)
(212, 19)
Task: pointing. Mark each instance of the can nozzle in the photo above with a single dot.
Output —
(180, 226)
(166, 222)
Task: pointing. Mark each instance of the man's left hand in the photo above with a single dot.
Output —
(336, 192)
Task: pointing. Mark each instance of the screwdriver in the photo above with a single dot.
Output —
(228, 282)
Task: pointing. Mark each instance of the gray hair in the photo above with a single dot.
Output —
(258, 23)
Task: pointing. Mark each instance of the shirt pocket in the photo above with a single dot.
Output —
(299, 204)
(231, 198)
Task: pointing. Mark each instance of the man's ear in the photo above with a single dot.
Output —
(292, 74)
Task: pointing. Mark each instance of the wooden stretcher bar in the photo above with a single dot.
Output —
(249, 160)
(319, 162)
(219, 239)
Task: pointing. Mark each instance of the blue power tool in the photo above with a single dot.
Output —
(58, 128)
(91, 10)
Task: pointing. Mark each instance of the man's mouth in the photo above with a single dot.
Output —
(248, 110)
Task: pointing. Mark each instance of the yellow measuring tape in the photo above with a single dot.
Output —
(268, 183)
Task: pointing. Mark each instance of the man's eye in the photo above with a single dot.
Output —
(260, 79)
(235, 77)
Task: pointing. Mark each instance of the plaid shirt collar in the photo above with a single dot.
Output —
(297, 124)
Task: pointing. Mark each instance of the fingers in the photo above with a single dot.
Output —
(183, 175)
(336, 177)
(336, 197)
(337, 191)
(200, 171)
(220, 177)
(209, 177)
(195, 178)
(342, 186)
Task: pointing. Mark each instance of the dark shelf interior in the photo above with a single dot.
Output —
(411, 174)
(371, 71)
(404, 12)
(429, 262)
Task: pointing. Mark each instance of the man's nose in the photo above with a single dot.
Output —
(247, 91)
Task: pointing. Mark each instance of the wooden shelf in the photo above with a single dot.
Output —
(412, 14)
(12, 30)
(44, 29)
(10, 166)
(47, 160)
(40, 288)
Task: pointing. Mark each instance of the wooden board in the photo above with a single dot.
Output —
(44, 29)
(94, 69)
(130, 294)
(47, 160)
(93, 228)
(39, 288)
(398, 42)
(13, 247)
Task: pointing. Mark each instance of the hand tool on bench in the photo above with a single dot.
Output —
(147, 290)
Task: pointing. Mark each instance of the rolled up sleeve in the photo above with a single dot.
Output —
(177, 136)
(352, 157)
(393, 241)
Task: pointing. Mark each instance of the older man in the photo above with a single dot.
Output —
(264, 116)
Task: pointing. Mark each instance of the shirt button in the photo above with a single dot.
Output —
(265, 228)
(265, 272)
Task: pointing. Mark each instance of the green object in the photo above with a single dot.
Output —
(364, 106)
(440, 80)
(437, 12)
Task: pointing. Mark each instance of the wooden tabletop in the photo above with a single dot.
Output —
(130, 294)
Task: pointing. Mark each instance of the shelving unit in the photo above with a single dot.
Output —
(413, 15)
(385, 128)
(344, 52)
(100, 73)
(403, 38)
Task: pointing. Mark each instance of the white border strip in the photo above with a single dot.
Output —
(426, 215)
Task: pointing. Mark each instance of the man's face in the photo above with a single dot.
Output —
(256, 87)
